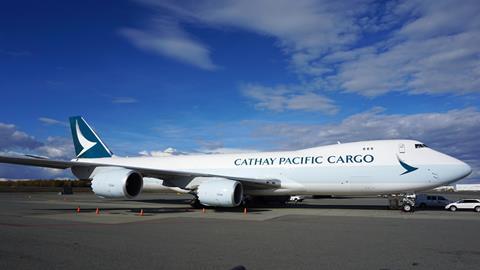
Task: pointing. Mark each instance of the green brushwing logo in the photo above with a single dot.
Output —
(408, 168)
(86, 141)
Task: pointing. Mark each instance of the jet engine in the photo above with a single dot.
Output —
(220, 192)
(115, 182)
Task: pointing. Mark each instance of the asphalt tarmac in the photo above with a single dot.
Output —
(44, 231)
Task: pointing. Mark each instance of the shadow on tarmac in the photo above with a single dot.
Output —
(356, 207)
(251, 207)
(165, 201)
(162, 210)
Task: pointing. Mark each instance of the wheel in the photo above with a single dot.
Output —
(195, 203)
(407, 208)
(423, 205)
(453, 208)
(477, 209)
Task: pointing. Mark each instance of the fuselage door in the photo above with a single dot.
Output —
(401, 148)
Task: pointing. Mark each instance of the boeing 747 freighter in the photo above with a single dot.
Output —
(383, 167)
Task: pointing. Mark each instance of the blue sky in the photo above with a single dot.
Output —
(222, 76)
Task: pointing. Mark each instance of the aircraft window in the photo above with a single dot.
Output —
(420, 145)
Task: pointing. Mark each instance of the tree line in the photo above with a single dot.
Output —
(45, 183)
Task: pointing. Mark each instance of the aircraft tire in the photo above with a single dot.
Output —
(407, 208)
(195, 203)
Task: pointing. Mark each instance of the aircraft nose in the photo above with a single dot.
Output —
(449, 169)
(463, 169)
(467, 168)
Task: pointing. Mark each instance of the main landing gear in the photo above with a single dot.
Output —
(405, 202)
(195, 203)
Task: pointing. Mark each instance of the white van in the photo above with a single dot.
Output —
(426, 200)
(296, 198)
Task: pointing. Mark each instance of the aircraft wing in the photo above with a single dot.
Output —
(39, 162)
(171, 175)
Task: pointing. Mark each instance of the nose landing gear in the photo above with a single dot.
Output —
(405, 202)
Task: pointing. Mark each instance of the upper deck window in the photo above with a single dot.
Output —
(420, 145)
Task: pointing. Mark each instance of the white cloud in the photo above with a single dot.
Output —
(439, 18)
(161, 153)
(364, 47)
(167, 38)
(12, 138)
(16, 142)
(435, 51)
(283, 98)
(299, 25)
(442, 64)
(205, 150)
(57, 148)
(304, 28)
(51, 121)
(217, 147)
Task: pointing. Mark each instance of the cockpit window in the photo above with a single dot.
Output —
(420, 145)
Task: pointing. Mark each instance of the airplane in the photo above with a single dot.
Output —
(395, 168)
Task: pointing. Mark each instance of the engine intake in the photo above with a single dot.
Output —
(115, 182)
(220, 192)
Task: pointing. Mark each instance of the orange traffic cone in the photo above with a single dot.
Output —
(141, 213)
(245, 211)
(78, 209)
(97, 211)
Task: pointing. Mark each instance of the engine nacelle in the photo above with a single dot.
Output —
(115, 182)
(220, 192)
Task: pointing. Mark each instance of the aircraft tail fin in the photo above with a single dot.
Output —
(86, 141)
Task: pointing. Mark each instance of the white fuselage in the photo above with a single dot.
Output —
(359, 168)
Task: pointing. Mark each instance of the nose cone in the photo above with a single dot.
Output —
(447, 168)
(462, 169)
(465, 169)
